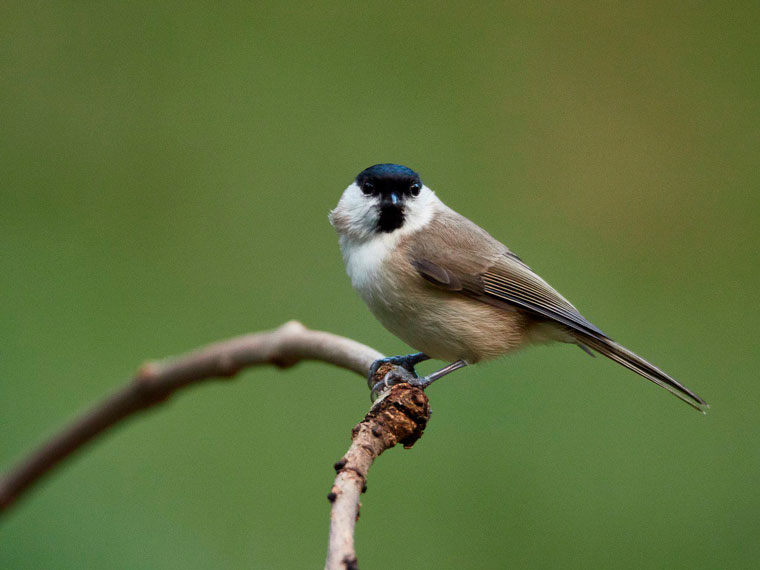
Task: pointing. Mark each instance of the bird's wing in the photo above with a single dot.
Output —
(469, 261)
(473, 263)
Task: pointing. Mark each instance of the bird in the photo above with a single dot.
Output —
(450, 290)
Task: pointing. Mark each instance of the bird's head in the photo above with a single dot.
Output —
(383, 198)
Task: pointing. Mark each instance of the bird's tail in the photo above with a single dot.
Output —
(622, 355)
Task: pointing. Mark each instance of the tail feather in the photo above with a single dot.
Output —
(634, 362)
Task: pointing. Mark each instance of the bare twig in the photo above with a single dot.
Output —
(157, 381)
(399, 416)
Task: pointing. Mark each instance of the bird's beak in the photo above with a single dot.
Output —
(391, 212)
(391, 201)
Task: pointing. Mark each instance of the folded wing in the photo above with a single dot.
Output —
(474, 264)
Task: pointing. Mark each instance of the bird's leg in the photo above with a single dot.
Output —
(406, 361)
(408, 375)
(430, 378)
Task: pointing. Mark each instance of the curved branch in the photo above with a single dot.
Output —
(155, 382)
(399, 416)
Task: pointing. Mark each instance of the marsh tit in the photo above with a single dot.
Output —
(447, 288)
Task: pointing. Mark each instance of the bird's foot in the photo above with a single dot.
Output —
(406, 361)
(405, 373)
(392, 377)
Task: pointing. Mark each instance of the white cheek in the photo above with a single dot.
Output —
(420, 210)
(359, 210)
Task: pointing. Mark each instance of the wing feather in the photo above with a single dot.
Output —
(516, 283)
(470, 262)
(498, 277)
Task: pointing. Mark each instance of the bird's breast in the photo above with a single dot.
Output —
(365, 260)
(442, 324)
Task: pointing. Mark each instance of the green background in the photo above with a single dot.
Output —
(166, 170)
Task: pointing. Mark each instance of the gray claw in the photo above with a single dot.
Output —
(395, 376)
(407, 362)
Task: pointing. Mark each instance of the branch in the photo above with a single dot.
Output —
(399, 416)
(157, 381)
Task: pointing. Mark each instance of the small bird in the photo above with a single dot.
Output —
(447, 288)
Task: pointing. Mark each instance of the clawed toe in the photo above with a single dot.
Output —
(405, 374)
(391, 378)
(376, 366)
(376, 389)
(406, 361)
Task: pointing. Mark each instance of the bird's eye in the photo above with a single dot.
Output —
(415, 189)
(367, 188)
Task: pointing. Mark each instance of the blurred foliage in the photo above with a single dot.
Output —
(166, 173)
